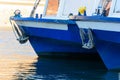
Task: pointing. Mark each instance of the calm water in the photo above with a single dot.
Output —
(19, 62)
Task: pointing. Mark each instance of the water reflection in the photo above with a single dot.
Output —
(119, 75)
(19, 62)
(14, 58)
(14, 66)
(111, 75)
(58, 69)
(21, 67)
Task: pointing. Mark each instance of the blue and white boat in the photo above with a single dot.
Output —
(94, 27)
(105, 28)
(51, 33)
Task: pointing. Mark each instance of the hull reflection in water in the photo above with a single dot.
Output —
(56, 69)
(19, 67)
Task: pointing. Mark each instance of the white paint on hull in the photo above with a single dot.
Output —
(43, 25)
(108, 26)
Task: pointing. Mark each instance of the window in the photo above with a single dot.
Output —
(117, 7)
(52, 7)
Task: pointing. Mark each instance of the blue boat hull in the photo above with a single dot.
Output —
(106, 36)
(56, 42)
(108, 47)
(45, 46)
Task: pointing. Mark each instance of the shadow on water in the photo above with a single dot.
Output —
(64, 69)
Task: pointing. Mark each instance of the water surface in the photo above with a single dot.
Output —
(19, 62)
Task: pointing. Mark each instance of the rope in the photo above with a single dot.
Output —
(86, 43)
(34, 7)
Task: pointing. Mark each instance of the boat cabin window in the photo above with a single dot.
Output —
(62, 8)
(52, 7)
(117, 7)
(107, 7)
(104, 7)
(73, 6)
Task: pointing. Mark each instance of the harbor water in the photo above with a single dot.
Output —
(19, 62)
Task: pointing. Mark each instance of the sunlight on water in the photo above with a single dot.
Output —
(13, 66)
(13, 60)
(9, 44)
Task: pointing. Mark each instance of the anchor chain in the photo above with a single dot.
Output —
(87, 38)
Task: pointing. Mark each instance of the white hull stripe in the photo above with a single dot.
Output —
(81, 24)
(42, 25)
(99, 25)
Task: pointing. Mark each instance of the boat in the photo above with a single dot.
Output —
(105, 30)
(82, 27)
(51, 33)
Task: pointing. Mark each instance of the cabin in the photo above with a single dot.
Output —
(61, 9)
